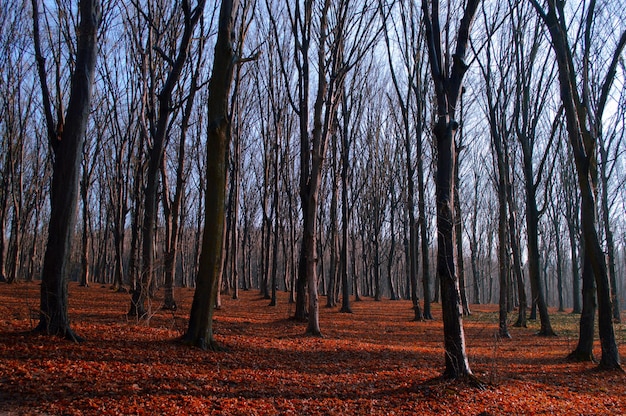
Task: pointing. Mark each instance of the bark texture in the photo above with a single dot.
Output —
(67, 144)
(200, 330)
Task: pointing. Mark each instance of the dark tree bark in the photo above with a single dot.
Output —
(200, 329)
(474, 242)
(345, 211)
(67, 146)
(583, 143)
(572, 209)
(584, 348)
(448, 85)
(422, 223)
(608, 231)
(458, 230)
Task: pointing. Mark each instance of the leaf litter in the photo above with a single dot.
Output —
(374, 361)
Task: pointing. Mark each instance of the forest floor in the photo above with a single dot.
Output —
(374, 361)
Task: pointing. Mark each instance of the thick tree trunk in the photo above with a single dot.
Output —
(67, 146)
(200, 330)
(447, 91)
(454, 337)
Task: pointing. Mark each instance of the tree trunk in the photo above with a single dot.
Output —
(608, 232)
(392, 242)
(200, 330)
(447, 92)
(573, 230)
(454, 337)
(584, 348)
(2, 230)
(584, 145)
(67, 147)
(345, 214)
(423, 230)
(458, 233)
(503, 235)
(532, 226)
(331, 300)
(84, 275)
(559, 260)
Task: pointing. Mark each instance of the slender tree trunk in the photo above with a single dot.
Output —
(503, 234)
(276, 221)
(572, 228)
(608, 232)
(474, 243)
(2, 231)
(421, 223)
(532, 226)
(345, 215)
(392, 242)
(584, 145)
(84, 275)
(331, 300)
(458, 233)
(559, 260)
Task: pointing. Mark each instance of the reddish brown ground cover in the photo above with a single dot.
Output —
(374, 361)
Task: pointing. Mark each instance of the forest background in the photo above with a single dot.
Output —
(349, 84)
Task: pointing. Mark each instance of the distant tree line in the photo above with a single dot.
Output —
(462, 153)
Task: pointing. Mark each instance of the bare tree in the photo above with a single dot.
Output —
(498, 104)
(583, 136)
(336, 54)
(200, 329)
(408, 36)
(16, 111)
(448, 81)
(66, 141)
(158, 140)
